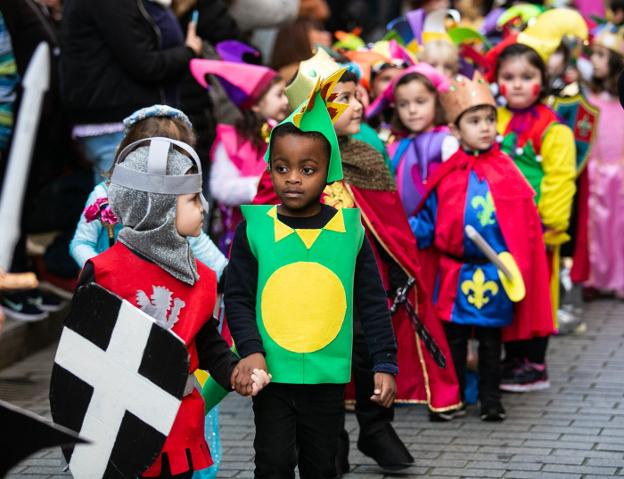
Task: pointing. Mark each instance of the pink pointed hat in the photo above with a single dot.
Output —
(440, 82)
(244, 83)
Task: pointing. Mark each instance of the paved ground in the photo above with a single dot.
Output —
(574, 430)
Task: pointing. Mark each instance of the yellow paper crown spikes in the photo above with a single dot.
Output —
(325, 87)
(318, 67)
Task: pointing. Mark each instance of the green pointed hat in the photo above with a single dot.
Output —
(318, 113)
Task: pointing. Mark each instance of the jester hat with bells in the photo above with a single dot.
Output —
(318, 112)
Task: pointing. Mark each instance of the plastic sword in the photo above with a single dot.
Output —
(35, 84)
(487, 250)
(400, 298)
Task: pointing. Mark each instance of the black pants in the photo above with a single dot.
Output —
(534, 350)
(297, 420)
(489, 358)
(371, 416)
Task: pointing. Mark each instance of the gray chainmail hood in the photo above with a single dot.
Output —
(149, 219)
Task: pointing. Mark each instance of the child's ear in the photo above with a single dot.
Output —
(255, 108)
(454, 130)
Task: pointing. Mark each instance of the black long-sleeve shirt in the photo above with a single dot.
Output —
(369, 298)
(213, 352)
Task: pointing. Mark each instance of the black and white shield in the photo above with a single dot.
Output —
(118, 379)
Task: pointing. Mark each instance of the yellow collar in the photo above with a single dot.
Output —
(308, 236)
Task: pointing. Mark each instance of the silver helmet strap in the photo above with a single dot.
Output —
(156, 180)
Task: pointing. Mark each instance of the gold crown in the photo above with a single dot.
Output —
(464, 94)
(319, 67)
(611, 38)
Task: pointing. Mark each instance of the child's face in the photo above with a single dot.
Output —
(447, 65)
(351, 119)
(416, 106)
(520, 82)
(600, 61)
(274, 104)
(556, 66)
(476, 129)
(319, 37)
(383, 79)
(189, 214)
(442, 56)
(299, 173)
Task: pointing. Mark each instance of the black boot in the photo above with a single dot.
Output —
(342, 457)
(386, 448)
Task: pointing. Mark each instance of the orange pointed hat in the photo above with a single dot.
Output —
(463, 94)
(244, 83)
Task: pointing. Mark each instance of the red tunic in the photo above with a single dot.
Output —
(124, 273)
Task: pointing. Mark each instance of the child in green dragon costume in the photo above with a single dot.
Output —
(297, 272)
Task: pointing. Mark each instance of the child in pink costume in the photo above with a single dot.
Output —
(423, 143)
(606, 167)
(238, 151)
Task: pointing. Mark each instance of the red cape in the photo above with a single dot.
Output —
(580, 262)
(521, 228)
(420, 379)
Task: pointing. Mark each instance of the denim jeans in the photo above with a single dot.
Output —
(100, 151)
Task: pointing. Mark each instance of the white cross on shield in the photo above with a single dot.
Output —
(117, 386)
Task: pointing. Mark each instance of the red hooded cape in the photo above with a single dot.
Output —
(420, 379)
(520, 225)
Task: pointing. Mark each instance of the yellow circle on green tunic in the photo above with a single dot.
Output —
(303, 306)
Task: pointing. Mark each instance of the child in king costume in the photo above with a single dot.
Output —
(479, 187)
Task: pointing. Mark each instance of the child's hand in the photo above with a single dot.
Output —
(259, 379)
(242, 380)
(385, 389)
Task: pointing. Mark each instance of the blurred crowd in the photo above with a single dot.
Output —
(233, 68)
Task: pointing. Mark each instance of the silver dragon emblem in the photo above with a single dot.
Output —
(160, 306)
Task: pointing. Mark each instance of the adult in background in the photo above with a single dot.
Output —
(116, 59)
(26, 24)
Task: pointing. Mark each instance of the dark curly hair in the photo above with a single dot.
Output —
(530, 55)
